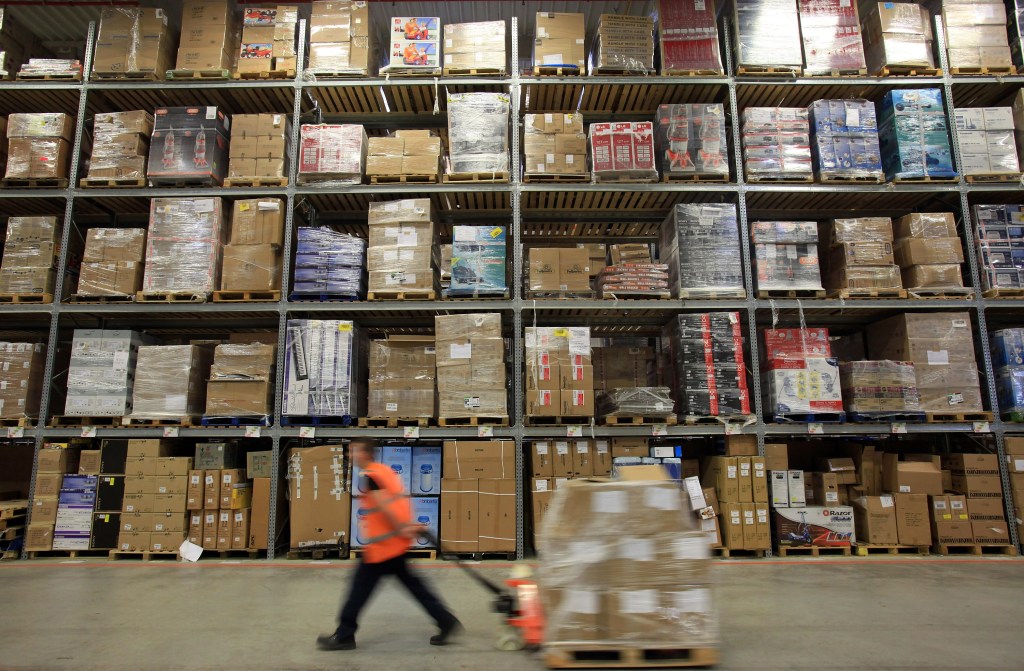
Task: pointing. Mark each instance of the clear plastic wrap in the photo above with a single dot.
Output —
(402, 377)
(709, 365)
(691, 139)
(470, 365)
(47, 125)
(257, 221)
(1010, 388)
(976, 34)
(933, 276)
(251, 268)
(475, 46)
(21, 379)
(329, 262)
(559, 371)
(874, 253)
(776, 142)
(134, 40)
(414, 44)
(784, 231)
(700, 244)
(639, 279)
(844, 139)
(340, 39)
(241, 381)
(689, 37)
(913, 135)
(831, 36)
(332, 154)
(864, 277)
(403, 256)
(188, 143)
(861, 379)
(170, 381)
(623, 150)
(863, 229)
(1007, 349)
(767, 33)
(986, 147)
(785, 266)
(999, 236)
(52, 66)
(926, 225)
(268, 39)
(113, 262)
(478, 261)
(786, 345)
(926, 251)
(635, 401)
(805, 386)
(183, 250)
(102, 372)
(37, 158)
(30, 255)
(624, 44)
(120, 144)
(478, 130)
(325, 369)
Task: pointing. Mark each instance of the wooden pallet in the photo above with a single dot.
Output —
(1004, 293)
(313, 420)
(413, 553)
(72, 554)
(941, 293)
(566, 656)
(558, 420)
(234, 552)
(144, 555)
(198, 74)
(329, 179)
(634, 420)
(49, 77)
(621, 72)
(13, 508)
(781, 179)
(410, 73)
(255, 182)
(996, 70)
(183, 182)
(270, 74)
(26, 298)
(708, 177)
(482, 420)
(711, 294)
(246, 420)
(715, 420)
(810, 418)
(475, 296)
(326, 74)
(246, 296)
(839, 72)
(768, 71)
(852, 179)
(325, 297)
(136, 76)
(814, 550)
(170, 297)
(403, 179)
(865, 550)
(557, 71)
(560, 295)
(112, 183)
(791, 293)
(410, 295)
(12, 532)
(976, 549)
(908, 71)
(927, 179)
(611, 295)
(319, 552)
(185, 420)
(59, 421)
(601, 178)
(548, 178)
(395, 422)
(473, 72)
(844, 294)
(728, 553)
(994, 178)
(25, 422)
(958, 417)
(18, 183)
(881, 417)
(492, 177)
(692, 73)
(100, 300)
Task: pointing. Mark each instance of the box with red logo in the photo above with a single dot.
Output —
(623, 150)
(334, 153)
(790, 344)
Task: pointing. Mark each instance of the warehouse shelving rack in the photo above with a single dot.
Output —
(534, 212)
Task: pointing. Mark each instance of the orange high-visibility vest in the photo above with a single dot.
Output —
(383, 541)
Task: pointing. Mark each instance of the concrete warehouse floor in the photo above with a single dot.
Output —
(776, 615)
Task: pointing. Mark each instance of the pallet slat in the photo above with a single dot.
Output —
(571, 656)
(482, 420)
(814, 550)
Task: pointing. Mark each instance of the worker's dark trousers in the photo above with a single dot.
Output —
(365, 580)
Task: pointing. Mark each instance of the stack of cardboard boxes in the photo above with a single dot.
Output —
(623, 150)
(260, 469)
(414, 44)
(332, 154)
(21, 379)
(475, 48)
(107, 463)
(987, 142)
(559, 271)
(31, 253)
(478, 266)
(209, 36)
(183, 249)
(329, 263)
(861, 256)
(319, 496)
(1001, 245)
(102, 372)
(56, 461)
(880, 389)
(259, 146)
(470, 366)
(241, 382)
(268, 39)
(555, 462)
(478, 133)
(401, 255)
(414, 153)
(928, 250)
(478, 501)
(700, 244)
(559, 372)
(120, 145)
(1014, 448)
(219, 498)
(554, 144)
(844, 140)
(340, 38)
(831, 36)
(252, 257)
(796, 522)
(741, 487)
(133, 41)
(325, 369)
(402, 377)
(624, 44)
(39, 146)
(913, 135)
(621, 366)
(170, 381)
(898, 37)
(802, 377)
(709, 365)
(767, 34)
(776, 143)
(786, 255)
(155, 487)
(559, 41)
(689, 37)
(189, 144)
(976, 36)
(113, 262)
(976, 477)
(419, 468)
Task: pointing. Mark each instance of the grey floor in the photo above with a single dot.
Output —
(777, 615)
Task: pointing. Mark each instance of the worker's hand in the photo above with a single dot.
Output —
(413, 530)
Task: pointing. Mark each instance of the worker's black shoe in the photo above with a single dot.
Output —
(448, 632)
(333, 642)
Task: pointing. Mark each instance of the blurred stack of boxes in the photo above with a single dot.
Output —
(624, 44)
(559, 372)
(701, 246)
(209, 36)
(318, 496)
(880, 388)
(183, 249)
(189, 144)
(554, 144)
(402, 377)
(156, 484)
(401, 255)
(801, 376)
(470, 366)
(101, 375)
(861, 256)
(21, 379)
(976, 35)
(941, 347)
(478, 133)
(39, 146)
(170, 381)
(414, 43)
(325, 369)
(409, 152)
(327, 262)
(332, 154)
(478, 501)
(623, 151)
(776, 143)
(1008, 365)
(709, 366)
(689, 37)
(31, 251)
(340, 39)
(976, 478)
(1000, 240)
(478, 265)
(562, 271)
(134, 40)
(241, 381)
(1014, 447)
(767, 34)
(786, 253)
(220, 495)
(986, 139)
(268, 39)
(113, 262)
(120, 145)
(844, 140)
(475, 46)
(913, 135)
(690, 140)
(898, 36)
(419, 468)
(560, 41)
(928, 250)
(252, 257)
(259, 145)
(831, 37)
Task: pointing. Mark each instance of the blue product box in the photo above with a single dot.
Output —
(357, 477)
(1010, 390)
(478, 260)
(77, 497)
(1008, 348)
(357, 534)
(425, 511)
(426, 470)
(674, 466)
(912, 101)
(399, 459)
(80, 482)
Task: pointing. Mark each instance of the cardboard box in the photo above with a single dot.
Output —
(910, 477)
(991, 532)
(259, 522)
(464, 459)
(133, 541)
(815, 525)
(913, 519)
(978, 486)
(723, 474)
(797, 488)
(497, 515)
(630, 447)
(875, 519)
(778, 482)
(776, 456)
(320, 502)
(460, 506)
(149, 447)
(195, 492)
(826, 489)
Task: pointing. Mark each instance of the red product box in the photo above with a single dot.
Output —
(601, 146)
(796, 343)
(622, 146)
(642, 133)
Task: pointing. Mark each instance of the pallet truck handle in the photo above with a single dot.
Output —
(484, 582)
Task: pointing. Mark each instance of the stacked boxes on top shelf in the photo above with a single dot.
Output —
(554, 144)
(101, 375)
(475, 48)
(1008, 366)
(478, 131)
(767, 36)
(691, 141)
(340, 39)
(801, 376)
(414, 44)
(259, 149)
(219, 497)
(471, 367)
(21, 379)
(252, 257)
(241, 381)
(268, 40)
(701, 247)
(414, 154)
(860, 261)
(210, 31)
(31, 253)
(559, 43)
(786, 255)
(777, 144)
(478, 265)
(844, 141)
(976, 37)
(478, 502)
(688, 34)
(325, 370)
(401, 255)
(38, 148)
(402, 376)
(831, 38)
(898, 38)
(184, 246)
(332, 154)
(929, 252)
(913, 135)
(329, 265)
(559, 372)
(999, 235)
(189, 146)
(624, 44)
(120, 145)
(987, 142)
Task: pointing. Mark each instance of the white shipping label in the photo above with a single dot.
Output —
(637, 549)
(694, 601)
(904, 489)
(939, 505)
(552, 59)
(699, 5)
(272, 206)
(731, 473)
(205, 204)
(541, 448)
(959, 323)
(407, 254)
(852, 115)
(579, 341)
(209, 479)
(940, 358)
(638, 601)
(390, 254)
(464, 233)
(956, 399)
(391, 407)
(956, 505)
(540, 486)
(582, 447)
(661, 498)
(471, 402)
(121, 360)
(461, 351)
(570, 159)
(582, 601)
(609, 502)
(194, 479)
(602, 448)
(562, 447)
(407, 237)
(691, 547)
(831, 497)
(1018, 465)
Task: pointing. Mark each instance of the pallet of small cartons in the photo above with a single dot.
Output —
(31, 250)
(831, 39)
(322, 519)
(559, 47)
(741, 489)
(101, 374)
(112, 265)
(240, 383)
(133, 44)
(976, 38)
(555, 148)
(691, 143)
(408, 157)
(341, 43)
(470, 350)
(401, 380)
(474, 48)
(880, 391)
(414, 46)
(170, 384)
(860, 261)
(930, 254)
(787, 260)
(189, 147)
(767, 38)
(605, 602)
(258, 155)
(332, 154)
(209, 40)
(477, 137)
(183, 249)
(401, 257)
(623, 151)
(1009, 372)
(268, 43)
(119, 149)
(700, 245)
(559, 272)
(898, 39)
(987, 144)
(976, 477)
(999, 245)
(156, 485)
(329, 265)
(38, 150)
(624, 45)
(559, 374)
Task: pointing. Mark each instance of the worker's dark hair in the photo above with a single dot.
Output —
(368, 444)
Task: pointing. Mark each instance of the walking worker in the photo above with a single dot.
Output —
(389, 531)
